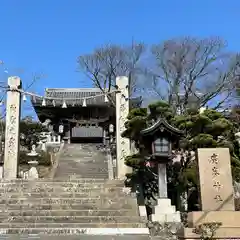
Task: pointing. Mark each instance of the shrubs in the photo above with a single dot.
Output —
(43, 158)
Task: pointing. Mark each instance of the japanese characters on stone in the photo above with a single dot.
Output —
(214, 160)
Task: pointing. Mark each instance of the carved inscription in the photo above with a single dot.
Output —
(12, 131)
(122, 118)
(218, 198)
(217, 185)
(214, 160)
(215, 172)
(215, 179)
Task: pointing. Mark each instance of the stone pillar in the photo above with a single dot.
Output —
(122, 109)
(70, 132)
(1, 158)
(164, 212)
(162, 180)
(13, 111)
(104, 136)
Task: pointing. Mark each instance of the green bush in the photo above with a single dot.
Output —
(44, 158)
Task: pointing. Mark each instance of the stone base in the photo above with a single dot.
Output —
(165, 212)
(142, 211)
(226, 218)
(221, 233)
(78, 231)
(230, 224)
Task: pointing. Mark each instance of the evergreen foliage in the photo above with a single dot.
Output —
(29, 132)
(209, 129)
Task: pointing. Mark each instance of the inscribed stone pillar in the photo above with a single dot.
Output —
(122, 109)
(13, 110)
(215, 179)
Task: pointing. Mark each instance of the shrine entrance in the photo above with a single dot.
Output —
(83, 114)
(64, 110)
(81, 121)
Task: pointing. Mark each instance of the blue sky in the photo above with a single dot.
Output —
(47, 36)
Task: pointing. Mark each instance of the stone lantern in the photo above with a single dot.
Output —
(158, 140)
(33, 173)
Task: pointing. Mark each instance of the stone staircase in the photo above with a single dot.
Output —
(83, 161)
(71, 204)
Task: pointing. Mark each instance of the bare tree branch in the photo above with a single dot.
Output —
(190, 70)
(106, 63)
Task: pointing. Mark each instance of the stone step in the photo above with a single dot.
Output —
(88, 169)
(83, 174)
(87, 173)
(67, 194)
(71, 179)
(91, 162)
(35, 189)
(74, 237)
(62, 190)
(91, 171)
(89, 206)
(62, 201)
(18, 225)
(97, 173)
(84, 212)
(95, 168)
(60, 184)
(70, 219)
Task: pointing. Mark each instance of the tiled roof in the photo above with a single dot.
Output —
(71, 96)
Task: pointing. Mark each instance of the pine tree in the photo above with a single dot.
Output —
(209, 129)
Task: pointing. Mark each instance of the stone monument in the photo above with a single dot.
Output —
(122, 110)
(12, 139)
(216, 195)
(215, 169)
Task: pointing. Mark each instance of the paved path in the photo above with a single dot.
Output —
(82, 161)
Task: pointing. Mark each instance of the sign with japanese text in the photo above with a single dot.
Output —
(216, 189)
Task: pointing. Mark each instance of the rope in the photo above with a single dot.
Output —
(54, 98)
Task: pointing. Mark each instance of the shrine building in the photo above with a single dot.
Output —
(84, 113)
